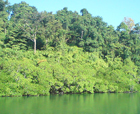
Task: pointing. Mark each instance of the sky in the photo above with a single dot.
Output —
(112, 11)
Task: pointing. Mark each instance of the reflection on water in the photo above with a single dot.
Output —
(121, 103)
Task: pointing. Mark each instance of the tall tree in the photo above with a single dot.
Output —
(84, 11)
(3, 20)
(27, 19)
(129, 22)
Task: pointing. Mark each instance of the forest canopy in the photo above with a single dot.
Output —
(43, 53)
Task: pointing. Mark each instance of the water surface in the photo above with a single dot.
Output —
(121, 103)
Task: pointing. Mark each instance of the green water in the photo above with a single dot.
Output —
(121, 103)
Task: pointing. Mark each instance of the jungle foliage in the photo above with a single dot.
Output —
(43, 53)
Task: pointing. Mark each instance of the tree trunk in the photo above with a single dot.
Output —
(35, 44)
(82, 35)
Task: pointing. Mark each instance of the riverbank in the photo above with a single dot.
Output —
(67, 71)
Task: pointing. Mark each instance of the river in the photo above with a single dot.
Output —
(98, 103)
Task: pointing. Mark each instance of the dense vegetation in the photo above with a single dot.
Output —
(43, 53)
